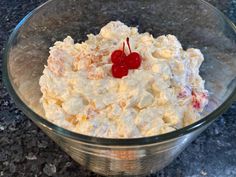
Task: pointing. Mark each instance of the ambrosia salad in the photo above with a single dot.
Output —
(123, 84)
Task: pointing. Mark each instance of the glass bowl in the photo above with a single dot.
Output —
(195, 23)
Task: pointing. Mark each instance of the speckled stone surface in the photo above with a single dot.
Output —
(26, 151)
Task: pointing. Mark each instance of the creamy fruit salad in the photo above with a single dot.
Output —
(123, 84)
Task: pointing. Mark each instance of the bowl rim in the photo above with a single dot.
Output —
(100, 140)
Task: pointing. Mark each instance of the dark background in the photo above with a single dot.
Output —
(26, 151)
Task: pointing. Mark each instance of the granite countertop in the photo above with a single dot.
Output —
(27, 151)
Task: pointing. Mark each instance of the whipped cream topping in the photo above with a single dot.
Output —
(164, 94)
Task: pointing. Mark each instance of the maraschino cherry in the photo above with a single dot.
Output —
(119, 70)
(118, 55)
(133, 60)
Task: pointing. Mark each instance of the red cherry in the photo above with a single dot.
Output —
(119, 70)
(133, 60)
(117, 56)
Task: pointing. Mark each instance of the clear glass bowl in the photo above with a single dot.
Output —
(194, 22)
